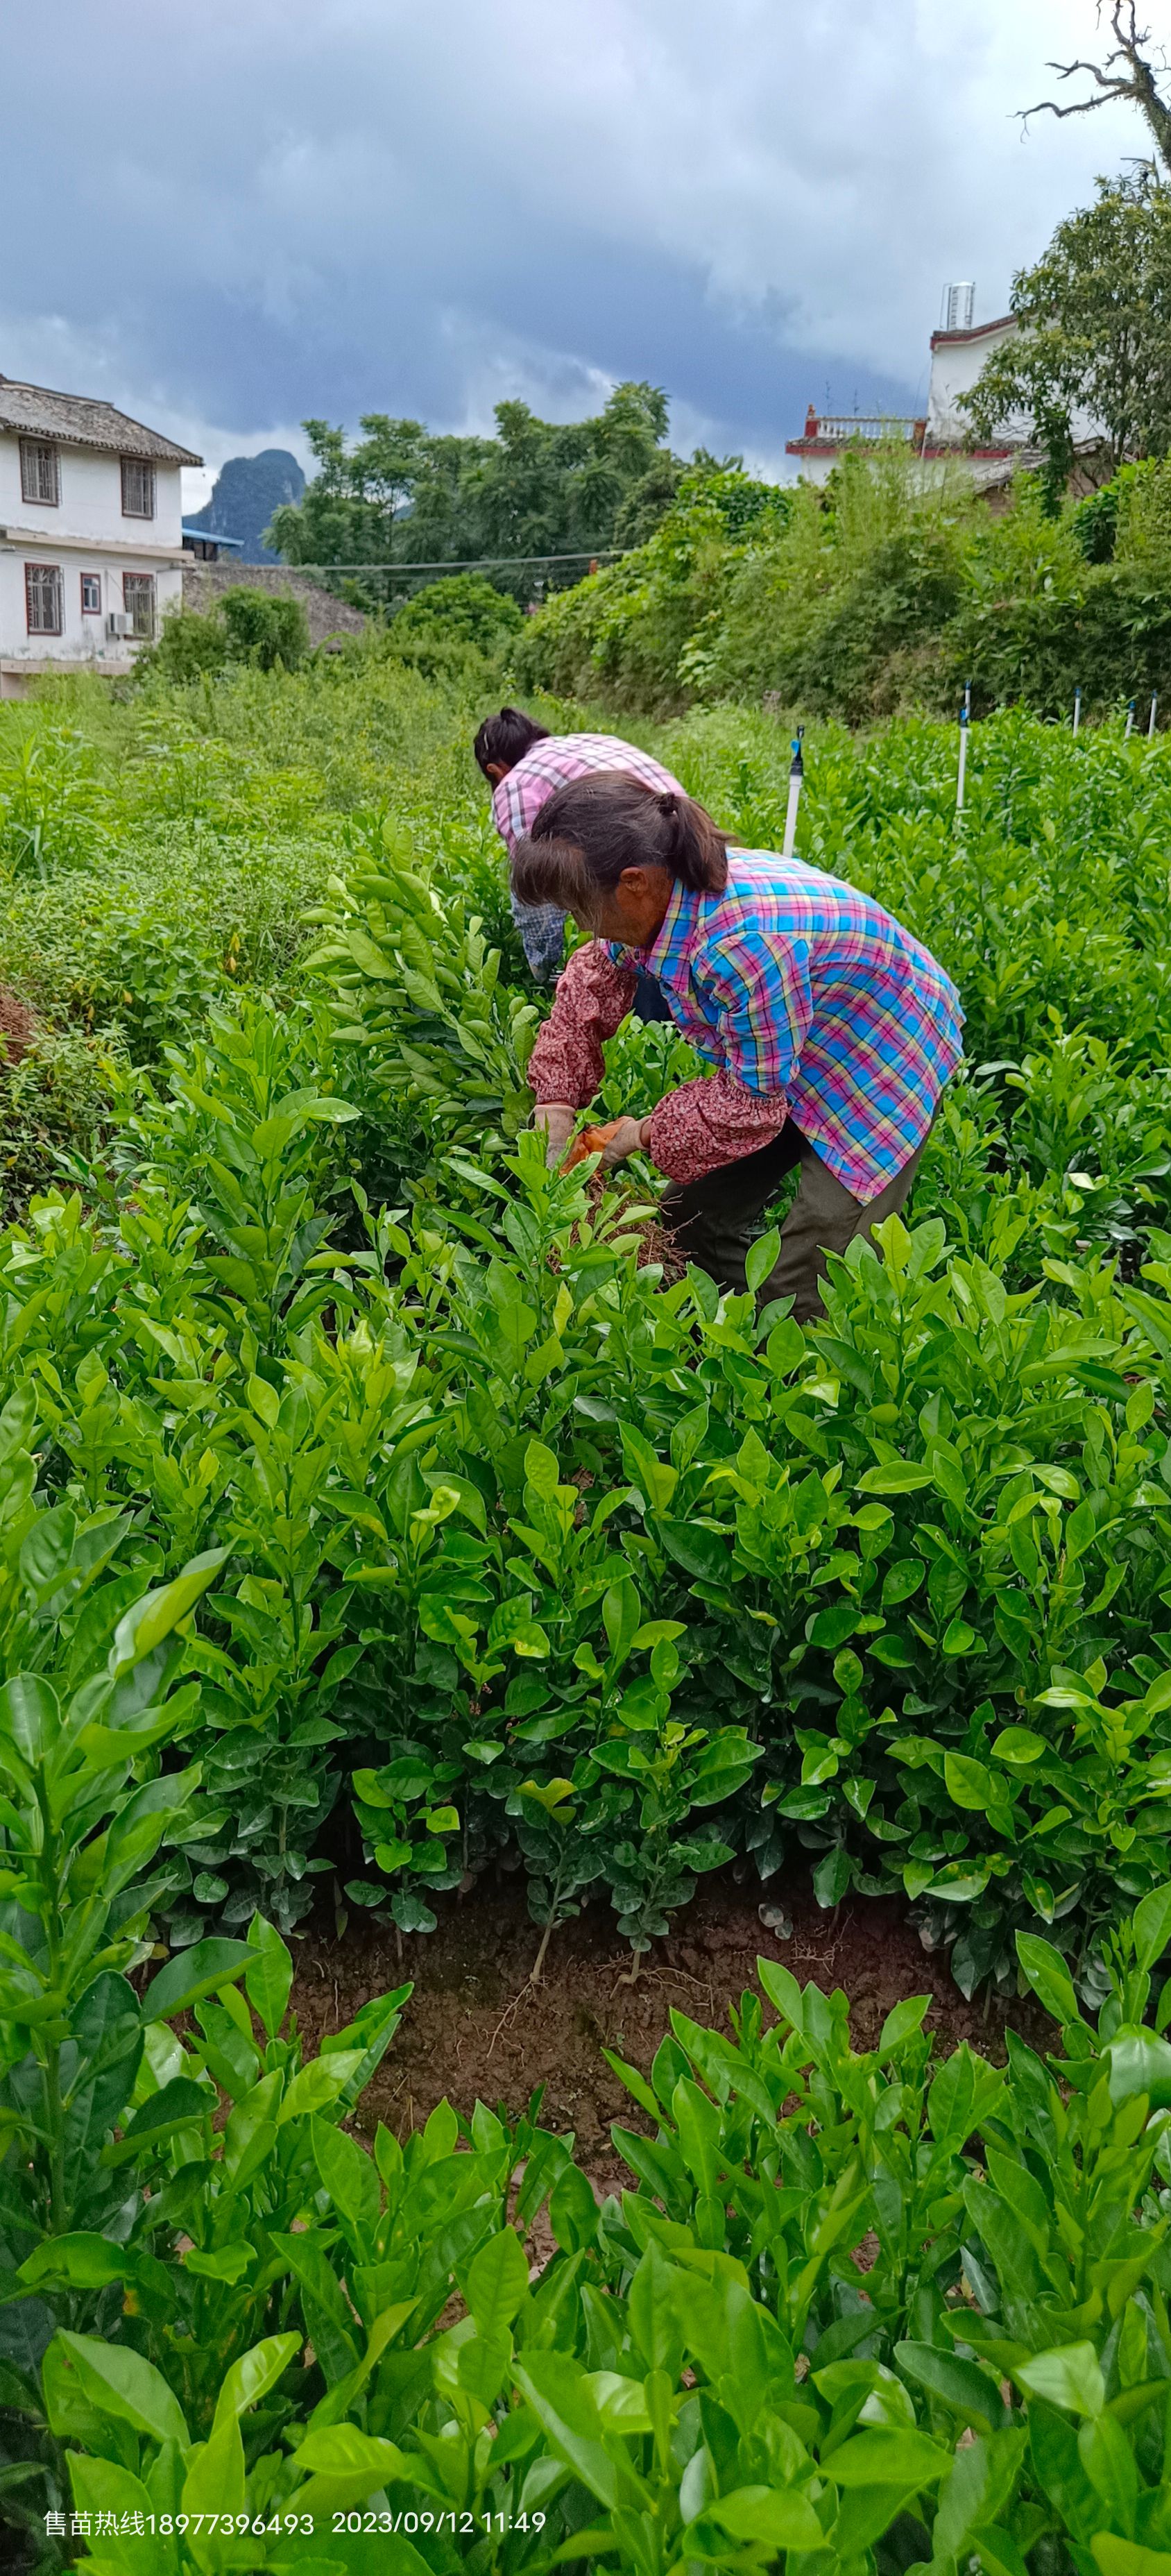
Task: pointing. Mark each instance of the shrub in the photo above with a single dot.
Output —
(463, 608)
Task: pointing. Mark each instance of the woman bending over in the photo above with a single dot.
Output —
(831, 1029)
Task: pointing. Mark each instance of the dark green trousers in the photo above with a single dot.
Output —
(714, 1220)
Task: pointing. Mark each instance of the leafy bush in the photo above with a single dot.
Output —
(890, 588)
(500, 1545)
(259, 627)
(463, 608)
(856, 2304)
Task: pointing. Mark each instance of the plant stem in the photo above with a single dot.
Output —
(539, 1961)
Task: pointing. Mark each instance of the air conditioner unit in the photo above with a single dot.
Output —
(118, 623)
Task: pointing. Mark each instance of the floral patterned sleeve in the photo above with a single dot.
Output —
(713, 1121)
(593, 998)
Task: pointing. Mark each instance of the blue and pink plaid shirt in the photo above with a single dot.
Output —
(809, 1000)
(518, 799)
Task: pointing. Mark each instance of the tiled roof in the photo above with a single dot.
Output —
(72, 420)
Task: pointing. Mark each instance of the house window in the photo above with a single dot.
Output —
(138, 488)
(138, 593)
(91, 594)
(40, 478)
(42, 598)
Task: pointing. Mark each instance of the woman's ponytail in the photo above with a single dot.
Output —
(591, 830)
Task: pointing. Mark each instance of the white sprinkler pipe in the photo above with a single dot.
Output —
(965, 720)
(796, 776)
(1151, 720)
(1077, 710)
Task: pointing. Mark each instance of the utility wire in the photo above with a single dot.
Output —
(462, 563)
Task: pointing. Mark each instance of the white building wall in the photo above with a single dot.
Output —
(85, 532)
(958, 358)
(91, 499)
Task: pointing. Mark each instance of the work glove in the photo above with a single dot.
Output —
(558, 1119)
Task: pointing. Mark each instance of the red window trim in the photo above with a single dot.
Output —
(59, 628)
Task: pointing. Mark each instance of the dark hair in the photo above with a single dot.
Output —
(507, 737)
(593, 828)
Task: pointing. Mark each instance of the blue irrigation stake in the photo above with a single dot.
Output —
(965, 721)
(1129, 720)
(1077, 710)
(796, 777)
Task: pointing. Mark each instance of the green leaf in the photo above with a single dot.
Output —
(961, 2385)
(1151, 1925)
(153, 1618)
(1046, 1972)
(174, 2106)
(701, 1552)
(899, 1477)
(760, 1259)
(1140, 2063)
(888, 2459)
(81, 2262)
(1071, 2376)
(782, 2518)
(349, 2176)
(215, 2473)
(901, 2024)
(268, 1976)
(1018, 1745)
(193, 1973)
(346, 2466)
(117, 2381)
(320, 2084)
(554, 2387)
(970, 1784)
(496, 2283)
(30, 1716)
(573, 2210)
(1117, 2557)
(833, 1875)
(251, 2377)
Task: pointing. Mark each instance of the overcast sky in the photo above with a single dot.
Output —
(229, 217)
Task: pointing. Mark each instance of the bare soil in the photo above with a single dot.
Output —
(475, 2029)
(18, 1028)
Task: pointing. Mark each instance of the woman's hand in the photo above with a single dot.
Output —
(558, 1119)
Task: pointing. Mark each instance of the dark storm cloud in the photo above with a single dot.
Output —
(235, 217)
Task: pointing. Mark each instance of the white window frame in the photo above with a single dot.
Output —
(140, 601)
(133, 466)
(40, 474)
(38, 579)
(91, 607)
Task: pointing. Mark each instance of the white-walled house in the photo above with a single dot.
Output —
(91, 544)
(939, 436)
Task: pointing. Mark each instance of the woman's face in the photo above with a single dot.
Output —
(631, 912)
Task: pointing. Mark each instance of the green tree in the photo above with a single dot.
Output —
(1094, 343)
(401, 495)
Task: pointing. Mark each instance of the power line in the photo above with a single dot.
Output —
(459, 563)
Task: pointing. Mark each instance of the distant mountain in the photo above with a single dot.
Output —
(248, 489)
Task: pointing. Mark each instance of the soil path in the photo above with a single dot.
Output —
(475, 2030)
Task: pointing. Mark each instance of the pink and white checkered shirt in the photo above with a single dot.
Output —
(517, 801)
